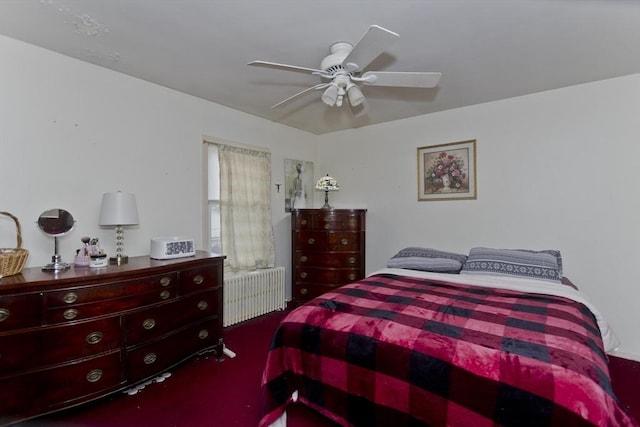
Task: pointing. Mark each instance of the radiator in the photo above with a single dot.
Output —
(252, 294)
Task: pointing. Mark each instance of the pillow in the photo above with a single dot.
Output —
(538, 265)
(425, 259)
(553, 252)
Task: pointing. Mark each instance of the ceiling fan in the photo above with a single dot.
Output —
(343, 69)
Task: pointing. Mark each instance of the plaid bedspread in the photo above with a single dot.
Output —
(400, 351)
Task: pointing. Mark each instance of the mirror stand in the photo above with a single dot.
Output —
(56, 263)
(55, 222)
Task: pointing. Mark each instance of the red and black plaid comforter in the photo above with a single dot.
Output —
(400, 351)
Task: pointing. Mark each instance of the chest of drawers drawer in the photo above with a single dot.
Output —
(198, 279)
(74, 312)
(159, 355)
(336, 276)
(153, 322)
(111, 291)
(322, 219)
(303, 258)
(30, 349)
(329, 241)
(59, 386)
(20, 311)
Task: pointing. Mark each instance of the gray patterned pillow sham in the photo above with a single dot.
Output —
(539, 265)
(426, 259)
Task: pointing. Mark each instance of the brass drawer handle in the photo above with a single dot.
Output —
(352, 276)
(303, 275)
(303, 258)
(203, 334)
(165, 281)
(70, 314)
(303, 291)
(94, 375)
(202, 305)
(165, 294)
(198, 279)
(352, 260)
(149, 324)
(327, 226)
(70, 298)
(311, 241)
(94, 338)
(150, 358)
(303, 222)
(4, 314)
(344, 241)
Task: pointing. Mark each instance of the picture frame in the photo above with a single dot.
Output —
(299, 184)
(447, 171)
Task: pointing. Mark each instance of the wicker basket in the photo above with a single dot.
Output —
(13, 259)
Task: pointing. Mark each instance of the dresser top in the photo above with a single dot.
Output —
(34, 277)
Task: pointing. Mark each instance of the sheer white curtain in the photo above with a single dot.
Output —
(245, 208)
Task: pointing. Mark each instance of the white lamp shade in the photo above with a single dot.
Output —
(355, 95)
(330, 96)
(118, 209)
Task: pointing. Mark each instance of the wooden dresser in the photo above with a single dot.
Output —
(77, 335)
(328, 250)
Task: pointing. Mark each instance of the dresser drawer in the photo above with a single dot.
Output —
(87, 294)
(61, 386)
(199, 279)
(303, 259)
(22, 351)
(75, 312)
(157, 356)
(159, 320)
(20, 311)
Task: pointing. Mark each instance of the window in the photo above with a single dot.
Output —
(239, 206)
(213, 190)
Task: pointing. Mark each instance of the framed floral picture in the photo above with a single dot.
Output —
(447, 171)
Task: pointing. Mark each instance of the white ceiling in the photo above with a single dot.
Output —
(486, 49)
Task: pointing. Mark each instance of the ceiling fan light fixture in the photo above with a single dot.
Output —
(355, 95)
(330, 95)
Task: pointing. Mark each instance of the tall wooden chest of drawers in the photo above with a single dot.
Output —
(328, 250)
(77, 335)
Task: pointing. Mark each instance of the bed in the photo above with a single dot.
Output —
(407, 347)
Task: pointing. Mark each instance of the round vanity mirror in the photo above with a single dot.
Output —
(55, 222)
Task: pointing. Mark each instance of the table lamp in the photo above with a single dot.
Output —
(326, 184)
(118, 209)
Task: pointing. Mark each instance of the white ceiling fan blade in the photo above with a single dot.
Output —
(375, 41)
(286, 67)
(291, 98)
(401, 79)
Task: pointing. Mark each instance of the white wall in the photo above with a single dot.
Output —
(70, 131)
(555, 170)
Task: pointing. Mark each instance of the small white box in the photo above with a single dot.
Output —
(172, 247)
